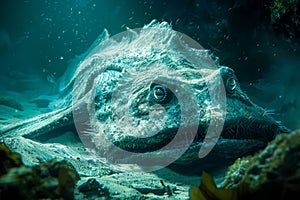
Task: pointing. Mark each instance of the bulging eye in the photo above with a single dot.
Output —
(160, 94)
(231, 84)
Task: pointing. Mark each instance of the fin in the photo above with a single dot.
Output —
(38, 125)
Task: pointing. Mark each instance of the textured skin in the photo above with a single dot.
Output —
(121, 77)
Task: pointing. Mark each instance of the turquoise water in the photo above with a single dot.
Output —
(43, 42)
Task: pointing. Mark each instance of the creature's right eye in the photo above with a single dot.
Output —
(228, 75)
(231, 84)
(160, 94)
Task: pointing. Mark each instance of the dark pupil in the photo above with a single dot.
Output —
(159, 93)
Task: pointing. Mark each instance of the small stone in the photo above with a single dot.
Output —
(93, 188)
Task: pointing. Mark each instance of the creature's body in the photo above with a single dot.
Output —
(134, 68)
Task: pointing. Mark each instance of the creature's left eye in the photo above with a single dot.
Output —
(231, 84)
(160, 94)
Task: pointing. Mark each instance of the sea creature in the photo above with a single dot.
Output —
(139, 89)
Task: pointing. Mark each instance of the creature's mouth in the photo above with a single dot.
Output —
(263, 130)
(251, 135)
(248, 133)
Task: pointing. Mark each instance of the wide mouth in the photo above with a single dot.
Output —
(254, 132)
(263, 130)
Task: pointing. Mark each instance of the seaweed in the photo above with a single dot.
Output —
(209, 191)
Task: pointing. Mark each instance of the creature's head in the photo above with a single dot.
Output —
(152, 92)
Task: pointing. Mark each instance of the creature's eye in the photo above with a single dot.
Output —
(231, 84)
(160, 94)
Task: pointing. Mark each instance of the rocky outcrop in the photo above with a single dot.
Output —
(273, 173)
(49, 180)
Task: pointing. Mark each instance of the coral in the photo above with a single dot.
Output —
(282, 16)
(273, 173)
(51, 180)
(285, 17)
(8, 159)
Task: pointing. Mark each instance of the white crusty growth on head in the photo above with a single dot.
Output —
(153, 43)
(117, 75)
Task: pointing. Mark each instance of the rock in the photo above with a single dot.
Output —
(273, 173)
(8, 159)
(53, 179)
(93, 189)
(49, 180)
(99, 188)
(135, 185)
